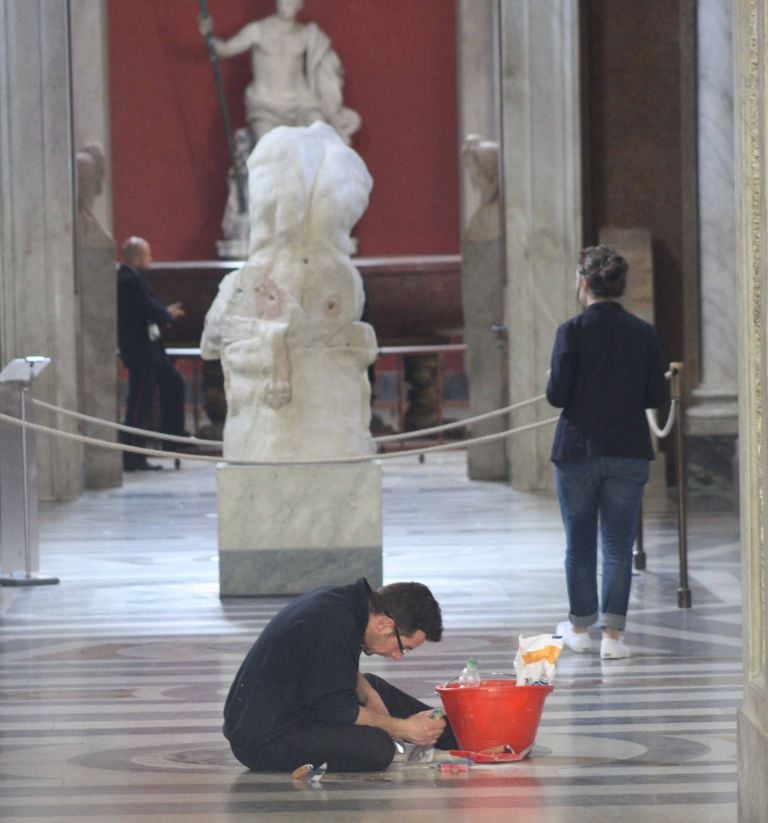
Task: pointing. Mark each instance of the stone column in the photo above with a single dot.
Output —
(96, 284)
(712, 424)
(541, 147)
(482, 266)
(482, 286)
(37, 287)
(751, 114)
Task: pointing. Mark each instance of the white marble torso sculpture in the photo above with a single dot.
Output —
(286, 325)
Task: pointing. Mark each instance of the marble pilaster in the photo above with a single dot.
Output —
(477, 23)
(485, 333)
(751, 116)
(482, 263)
(285, 529)
(97, 367)
(712, 418)
(541, 147)
(95, 247)
(37, 284)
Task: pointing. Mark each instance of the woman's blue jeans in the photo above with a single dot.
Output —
(605, 491)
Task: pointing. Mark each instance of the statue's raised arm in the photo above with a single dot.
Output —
(246, 38)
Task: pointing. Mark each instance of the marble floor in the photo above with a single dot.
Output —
(112, 681)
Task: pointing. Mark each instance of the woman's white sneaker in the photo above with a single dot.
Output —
(613, 649)
(576, 641)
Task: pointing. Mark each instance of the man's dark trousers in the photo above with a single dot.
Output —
(343, 748)
(145, 382)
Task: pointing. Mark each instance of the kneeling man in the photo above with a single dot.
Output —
(299, 696)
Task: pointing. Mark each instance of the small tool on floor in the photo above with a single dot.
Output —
(310, 773)
(425, 754)
(454, 766)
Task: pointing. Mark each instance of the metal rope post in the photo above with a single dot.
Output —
(639, 551)
(676, 390)
(21, 372)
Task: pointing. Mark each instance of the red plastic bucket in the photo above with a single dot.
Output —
(495, 713)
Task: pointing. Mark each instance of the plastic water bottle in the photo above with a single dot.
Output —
(470, 676)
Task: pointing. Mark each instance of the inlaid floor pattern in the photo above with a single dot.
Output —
(112, 682)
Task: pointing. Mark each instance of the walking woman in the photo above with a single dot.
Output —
(606, 370)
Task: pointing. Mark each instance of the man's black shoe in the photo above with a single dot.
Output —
(148, 467)
(141, 466)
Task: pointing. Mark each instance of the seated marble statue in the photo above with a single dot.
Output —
(297, 76)
(90, 165)
(481, 160)
(286, 325)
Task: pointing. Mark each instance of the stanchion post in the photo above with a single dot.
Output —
(21, 372)
(676, 390)
(639, 551)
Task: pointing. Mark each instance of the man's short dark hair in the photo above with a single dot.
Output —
(412, 606)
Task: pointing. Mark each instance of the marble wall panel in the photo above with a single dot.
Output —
(542, 202)
(712, 417)
(717, 222)
(97, 365)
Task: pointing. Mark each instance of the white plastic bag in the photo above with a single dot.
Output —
(535, 659)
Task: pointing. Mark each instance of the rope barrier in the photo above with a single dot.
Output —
(653, 424)
(110, 424)
(92, 441)
(199, 441)
(467, 421)
(675, 411)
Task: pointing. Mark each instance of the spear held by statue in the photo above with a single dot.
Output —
(206, 29)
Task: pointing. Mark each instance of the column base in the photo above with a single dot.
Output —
(711, 445)
(753, 762)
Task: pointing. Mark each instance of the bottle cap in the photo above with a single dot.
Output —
(472, 662)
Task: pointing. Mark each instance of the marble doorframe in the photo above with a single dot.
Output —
(751, 112)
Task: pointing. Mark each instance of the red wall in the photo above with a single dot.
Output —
(169, 153)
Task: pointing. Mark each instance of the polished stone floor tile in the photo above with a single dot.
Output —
(112, 682)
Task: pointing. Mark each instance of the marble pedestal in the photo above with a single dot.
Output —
(711, 445)
(97, 369)
(287, 529)
(13, 559)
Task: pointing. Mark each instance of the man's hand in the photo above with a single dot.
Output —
(175, 310)
(421, 729)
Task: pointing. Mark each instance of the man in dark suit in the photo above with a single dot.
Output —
(140, 316)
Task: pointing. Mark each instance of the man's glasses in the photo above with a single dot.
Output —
(400, 646)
